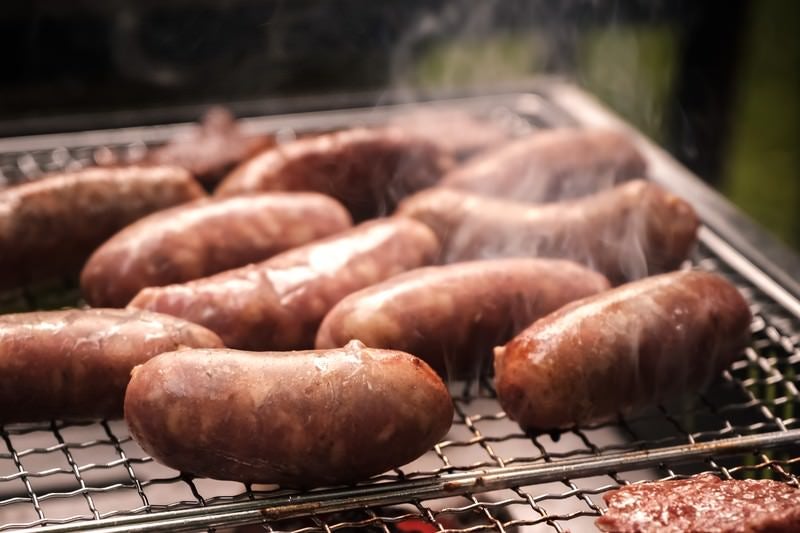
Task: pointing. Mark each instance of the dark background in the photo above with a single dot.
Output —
(714, 82)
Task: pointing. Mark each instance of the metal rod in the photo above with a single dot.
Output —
(445, 485)
(746, 268)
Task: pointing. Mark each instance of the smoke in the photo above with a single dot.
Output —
(461, 44)
(626, 233)
(456, 47)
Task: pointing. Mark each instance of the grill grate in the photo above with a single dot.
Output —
(70, 474)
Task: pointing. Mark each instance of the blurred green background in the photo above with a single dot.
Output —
(633, 68)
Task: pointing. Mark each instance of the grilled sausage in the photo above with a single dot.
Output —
(298, 419)
(451, 316)
(367, 170)
(205, 237)
(76, 364)
(278, 304)
(626, 233)
(634, 345)
(50, 226)
(551, 165)
(458, 132)
(211, 150)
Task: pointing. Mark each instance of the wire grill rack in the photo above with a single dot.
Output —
(487, 475)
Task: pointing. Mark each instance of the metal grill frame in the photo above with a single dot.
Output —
(754, 432)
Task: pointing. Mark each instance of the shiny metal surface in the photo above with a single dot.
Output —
(474, 482)
(487, 475)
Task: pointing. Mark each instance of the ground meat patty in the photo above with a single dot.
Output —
(51, 225)
(551, 165)
(703, 503)
(368, 170)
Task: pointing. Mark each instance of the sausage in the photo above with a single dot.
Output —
(456, 131)
(551, 165)
(50, 226)
(368, 170)
(75, 364)
(278, 304)
(635, 345)
(205, 237)
(630, 231)
(452, 316)
(297, 419)
(211, 150)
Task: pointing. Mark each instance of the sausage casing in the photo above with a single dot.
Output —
(298, 419)
(205, 237)
(278, 304)
(50, 226)
(628, 232)
(457, 131)
(76, 364)
(452, 316)
(628, 347)
(368, 170)
(212, 149)
(551, 165)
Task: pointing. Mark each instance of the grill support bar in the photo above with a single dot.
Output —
(446, 485)
(749, 270)
(734, 244)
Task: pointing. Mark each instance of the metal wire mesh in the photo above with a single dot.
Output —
(59, 473)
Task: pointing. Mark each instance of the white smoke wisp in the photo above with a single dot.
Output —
(452, 22)
(608, 232)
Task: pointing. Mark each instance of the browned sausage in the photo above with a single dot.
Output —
(211, 150)
(279, 303)
(367, 170)
(452, 316)
(76, 364)
(551, 165)
(456, 131)
(632, 346)
(50, 226)
(298, 419)
(626, 233)
(205, 237)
